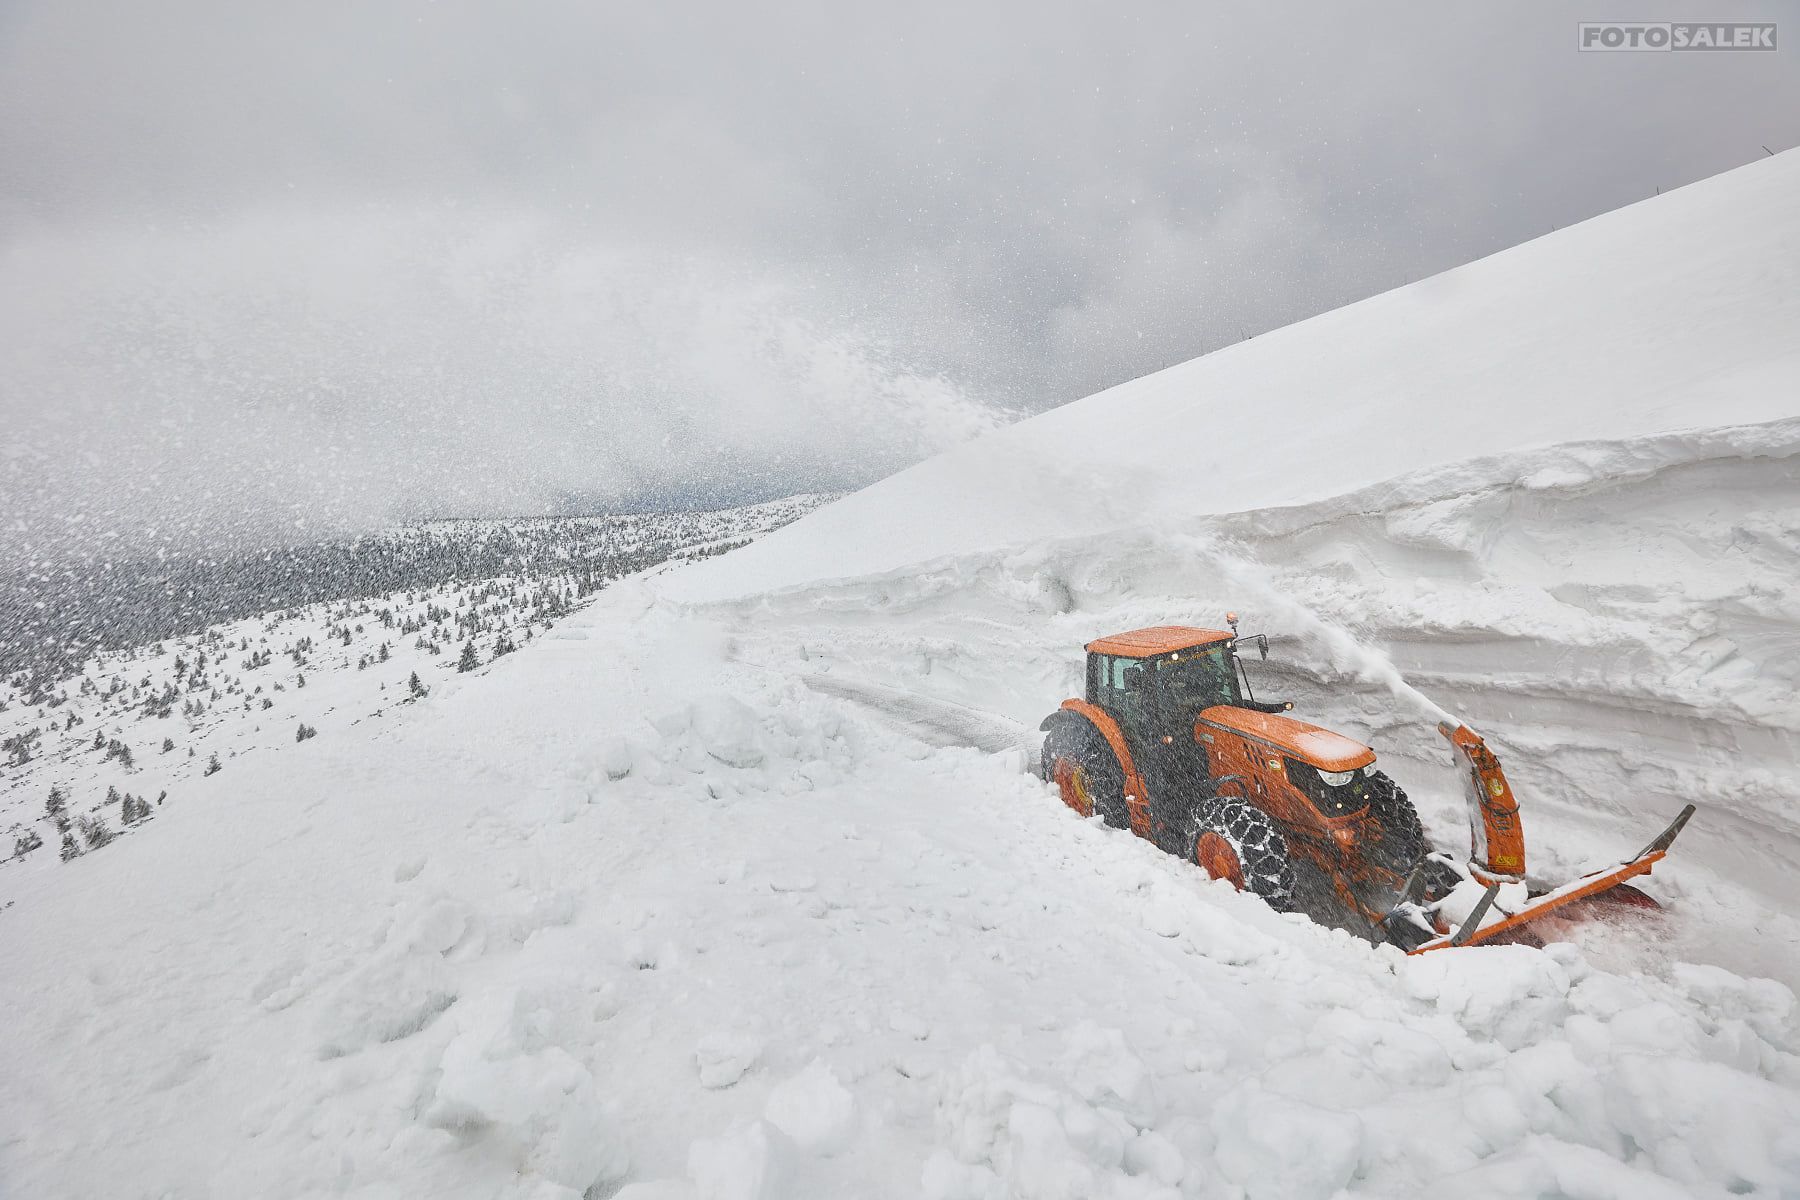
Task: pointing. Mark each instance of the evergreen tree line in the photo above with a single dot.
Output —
(92, 827)
(54, 617)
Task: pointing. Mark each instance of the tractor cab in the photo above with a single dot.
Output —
(1156, 682)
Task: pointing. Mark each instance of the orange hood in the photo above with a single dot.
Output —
(1310, 744)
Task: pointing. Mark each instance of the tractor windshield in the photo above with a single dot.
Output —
(1196, 679)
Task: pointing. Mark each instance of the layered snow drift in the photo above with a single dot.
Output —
(1681, 312)
(733, 886)
(1623, 626)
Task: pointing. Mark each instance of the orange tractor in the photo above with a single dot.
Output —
(1170, 742)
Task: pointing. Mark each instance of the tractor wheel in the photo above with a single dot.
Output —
(1086, 772)
(1233, 840)
(1401, 843)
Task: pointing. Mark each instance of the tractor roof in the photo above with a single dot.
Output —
(1158, 639)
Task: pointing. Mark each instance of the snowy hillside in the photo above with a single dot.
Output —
(135, 724)
(1680, 312)
(732, 884)
(58, 610)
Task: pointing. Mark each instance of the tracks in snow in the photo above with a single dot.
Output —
(935, 722)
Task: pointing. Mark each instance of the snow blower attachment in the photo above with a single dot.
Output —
(1497, 864)
(1170, 742)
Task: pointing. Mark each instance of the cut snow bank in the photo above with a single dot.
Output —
(1681, 312)
(1621, 620)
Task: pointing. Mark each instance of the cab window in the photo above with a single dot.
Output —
(1122, 686)
(1197, 679)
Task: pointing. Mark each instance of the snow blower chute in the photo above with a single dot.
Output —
(1170, 742)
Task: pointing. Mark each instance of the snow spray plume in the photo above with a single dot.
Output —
(1249, 577)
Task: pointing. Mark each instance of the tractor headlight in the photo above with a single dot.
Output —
(1337, 778)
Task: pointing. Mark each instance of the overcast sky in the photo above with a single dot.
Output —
(281, 269)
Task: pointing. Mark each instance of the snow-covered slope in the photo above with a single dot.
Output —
(139, 722)
(732, 885)
(1680, 312)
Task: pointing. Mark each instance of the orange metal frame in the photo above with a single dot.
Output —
(1549, 904)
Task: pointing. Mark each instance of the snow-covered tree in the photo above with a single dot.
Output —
(94, 831)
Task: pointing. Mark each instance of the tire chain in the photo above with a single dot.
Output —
(1391, 809)
(1262, 851)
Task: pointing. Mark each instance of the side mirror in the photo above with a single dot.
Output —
(1262, 644)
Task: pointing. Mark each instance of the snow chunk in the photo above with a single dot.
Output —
(437, 926)
(728, 730)
(972, 1114)
(1511, 994)
(671, 724)
(1007, 1133)
(946, 1179)
(1103, 1071)
(383, 1001)
(724, 1057)
(615, 758)
(1544, 1166)
(751, 1162)
(1764, 1004)
(814, 1109)
(1043, 1161)
(532, 1101)
(1277, 1146)
(1727, 1126)
(1152, 1155)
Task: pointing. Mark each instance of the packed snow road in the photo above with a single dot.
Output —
(938, 722)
